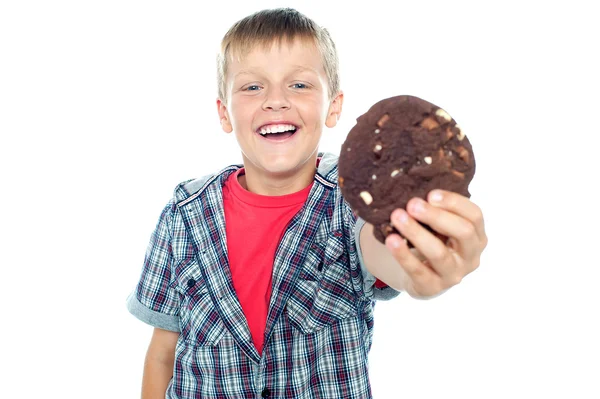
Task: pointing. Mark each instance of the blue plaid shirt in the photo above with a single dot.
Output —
(320, 321)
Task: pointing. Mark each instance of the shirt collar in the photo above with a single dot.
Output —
(190, 189)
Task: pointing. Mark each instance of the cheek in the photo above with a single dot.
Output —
(240, 111)
(316, 108)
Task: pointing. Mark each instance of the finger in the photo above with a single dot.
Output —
(423, 279)
(434, 250)
(461, 231)
(461, 206)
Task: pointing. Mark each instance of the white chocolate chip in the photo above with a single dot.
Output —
(377, 131)
(366, 197)
(378, 147)
(374, 177)
(443, 114)
(349, 149)
(428, 160)
(461, 135)
(396, 171)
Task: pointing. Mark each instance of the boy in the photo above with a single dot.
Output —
(259, 280)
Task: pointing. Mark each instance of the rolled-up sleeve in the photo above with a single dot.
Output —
(154, 300)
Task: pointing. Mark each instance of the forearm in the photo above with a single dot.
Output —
(381, 263)
(157, 374)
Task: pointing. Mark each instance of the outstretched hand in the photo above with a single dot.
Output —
(434, 266)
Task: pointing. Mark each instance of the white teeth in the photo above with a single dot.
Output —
(276, 129)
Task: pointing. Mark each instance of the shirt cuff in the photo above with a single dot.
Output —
(149, 316)
(371, 291)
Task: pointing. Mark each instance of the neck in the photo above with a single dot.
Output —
(260, 182)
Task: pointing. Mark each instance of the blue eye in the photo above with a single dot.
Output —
(252, 88)
(300, 86)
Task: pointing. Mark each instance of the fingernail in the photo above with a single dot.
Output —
(436, 196)
(395, 242)
(418, 206)
(402, 217)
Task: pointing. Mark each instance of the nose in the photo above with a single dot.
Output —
(276, 100)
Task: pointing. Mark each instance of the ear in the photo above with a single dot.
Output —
(224, 117)
(335, 110)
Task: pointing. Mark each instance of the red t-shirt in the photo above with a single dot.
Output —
(254, 225)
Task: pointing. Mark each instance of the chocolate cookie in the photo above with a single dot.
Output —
(402, 148)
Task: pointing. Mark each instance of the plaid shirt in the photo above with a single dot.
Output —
(320, 321)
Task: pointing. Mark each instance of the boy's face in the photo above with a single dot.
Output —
(283, 89)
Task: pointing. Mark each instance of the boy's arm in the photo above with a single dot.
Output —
(432, 266)
(158, 366)
(380, 262)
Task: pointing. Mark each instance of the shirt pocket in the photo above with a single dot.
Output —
(323, 293)
(200, 323)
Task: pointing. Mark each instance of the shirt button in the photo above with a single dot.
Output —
(265, 393)
(191, 282)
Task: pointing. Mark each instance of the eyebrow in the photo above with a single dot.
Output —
(302, 68)
(298, 68)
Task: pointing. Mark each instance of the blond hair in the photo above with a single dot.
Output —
(276, 25)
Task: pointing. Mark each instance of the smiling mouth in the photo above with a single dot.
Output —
(278, 132)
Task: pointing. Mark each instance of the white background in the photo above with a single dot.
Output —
(106, 106)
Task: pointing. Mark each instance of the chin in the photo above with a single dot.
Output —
(283, 167)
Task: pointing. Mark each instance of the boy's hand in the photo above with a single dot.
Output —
(434, 266)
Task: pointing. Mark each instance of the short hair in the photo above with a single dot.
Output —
(275, 25)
